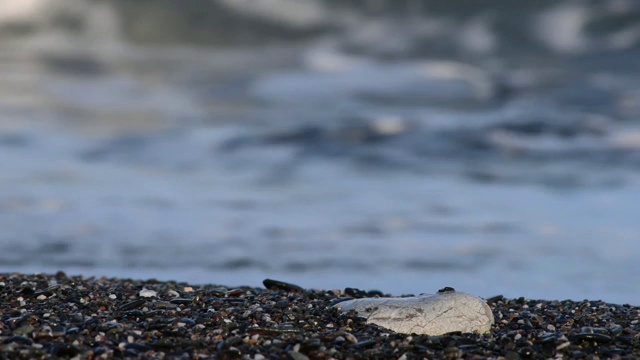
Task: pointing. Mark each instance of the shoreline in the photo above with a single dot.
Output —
(55, 315)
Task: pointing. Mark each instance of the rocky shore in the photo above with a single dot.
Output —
(57, 316)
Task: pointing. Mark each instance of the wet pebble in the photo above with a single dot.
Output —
(163, 305)
(180, 301)
(233, 293)
(355, 293)
(591, 336)
(132, 304)
(281, 285)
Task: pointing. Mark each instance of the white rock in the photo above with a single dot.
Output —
(444, 312)
(148, 293)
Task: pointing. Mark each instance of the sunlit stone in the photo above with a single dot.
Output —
(444, 312)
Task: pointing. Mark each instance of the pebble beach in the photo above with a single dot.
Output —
(48, 316)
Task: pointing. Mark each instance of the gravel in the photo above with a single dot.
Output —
(56, 316)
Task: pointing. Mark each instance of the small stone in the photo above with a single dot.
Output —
(181, 301)
(438, 314)
(137, 348)
(511, 355)
(298, 356)
(148, 293)
(234, 293)
(356, 293)
(41, 297)
(24, 330)
(281, 285)
(17, 339)
(132, 305)
(350, 338)
(592, 337)
(446, 289)
(163, 305)
(43, 332)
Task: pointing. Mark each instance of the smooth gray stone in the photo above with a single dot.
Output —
(438, 314)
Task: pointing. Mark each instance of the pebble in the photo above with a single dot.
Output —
(447, 311)
(148, 293)
(281, 285)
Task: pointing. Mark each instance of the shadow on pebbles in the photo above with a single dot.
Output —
(55, 316)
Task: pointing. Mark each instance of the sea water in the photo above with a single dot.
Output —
(386, 148)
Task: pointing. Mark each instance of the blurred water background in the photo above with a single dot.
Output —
(404, 146)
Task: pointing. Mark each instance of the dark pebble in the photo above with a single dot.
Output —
(163, 305)
(234, 293)
(356, 293)
(227, 300)
(282, 322)
(548, 338)
(362, 344)
(138, 347)
(181, 301)
(72, 331)
(65, 351)
(137, 313)
(446, 289)
(17, 339)
(467, 348)
(46, 292)
(27, 291)
(595, 337)
(281, 285)
(616, 330)
(511, 355)
(217, 292)
(132, 305)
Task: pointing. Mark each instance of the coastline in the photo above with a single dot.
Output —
(59, 316)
